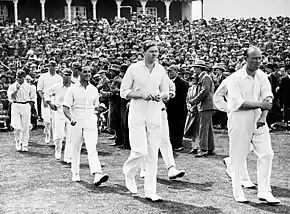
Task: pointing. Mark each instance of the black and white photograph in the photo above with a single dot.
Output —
(144, 106)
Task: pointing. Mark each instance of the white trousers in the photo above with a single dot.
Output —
(165, 145)
(90, 137)
(243, 132)
(144, 142)
(20, 121)
(62, 130)
(48, 116)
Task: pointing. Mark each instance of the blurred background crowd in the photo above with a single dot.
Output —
(110, 47)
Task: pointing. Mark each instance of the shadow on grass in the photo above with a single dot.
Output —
(280, 192)
(280, 208)
(217, 156)
(167, 206)
(177, 184)
(36, 154)
(38, 145)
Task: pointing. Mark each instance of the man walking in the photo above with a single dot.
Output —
(45, 81)
(249, 101)
(79, 106)
(55, 98)
(145, 84)
(22, 96)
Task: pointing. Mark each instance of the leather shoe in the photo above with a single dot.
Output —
(193, 151)
(201, 154)
(268, 197)
(210, 153)
(179, 149)
(114, 144)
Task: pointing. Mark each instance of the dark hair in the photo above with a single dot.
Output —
(148, 44)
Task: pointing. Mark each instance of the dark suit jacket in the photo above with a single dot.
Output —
(177, 105)
(285, 90)
(205, 91)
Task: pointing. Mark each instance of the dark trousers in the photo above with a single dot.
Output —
(286, 107)
(124, 123)
(176, 128)
(206, 135)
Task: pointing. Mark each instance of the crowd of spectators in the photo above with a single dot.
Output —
(99, 44)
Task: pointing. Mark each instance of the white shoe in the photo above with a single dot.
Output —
(76, 177)
(153, 198)
(24, 149)
(173, 173)
(267, 196)
(248, 184)
(100, 178)
(18, 146)
(47, 139)
(131, 185)
(239, 195)
(142, 173)
(57, 155)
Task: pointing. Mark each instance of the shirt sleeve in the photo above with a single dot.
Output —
(97, 99)
(10, 91)
(40, 83)
(235, 98)
(172, 88)
(68, 98)
(127, 82)
(33, 93)
(219, 97)
(266, 90)
(164, 86)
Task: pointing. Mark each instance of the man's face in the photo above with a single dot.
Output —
(197, 72)
(75, 71)
(151, 54)
(254, 60)
(172, 73)
(85, 75)
(20, 79)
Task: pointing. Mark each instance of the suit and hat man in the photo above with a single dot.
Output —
(204, 101)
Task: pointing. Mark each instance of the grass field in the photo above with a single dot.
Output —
(34, 182)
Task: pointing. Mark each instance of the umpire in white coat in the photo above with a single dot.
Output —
(145, 84)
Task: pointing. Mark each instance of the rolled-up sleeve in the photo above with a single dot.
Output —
(97, 99)
(127, 82)
(68, 98)
(164, 86)
(40, 84)
(235, 98)
(266, 90)
(219, 97)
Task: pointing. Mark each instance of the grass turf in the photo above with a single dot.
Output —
(35, 182)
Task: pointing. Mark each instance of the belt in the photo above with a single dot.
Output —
(21, 102)
(163, 109)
